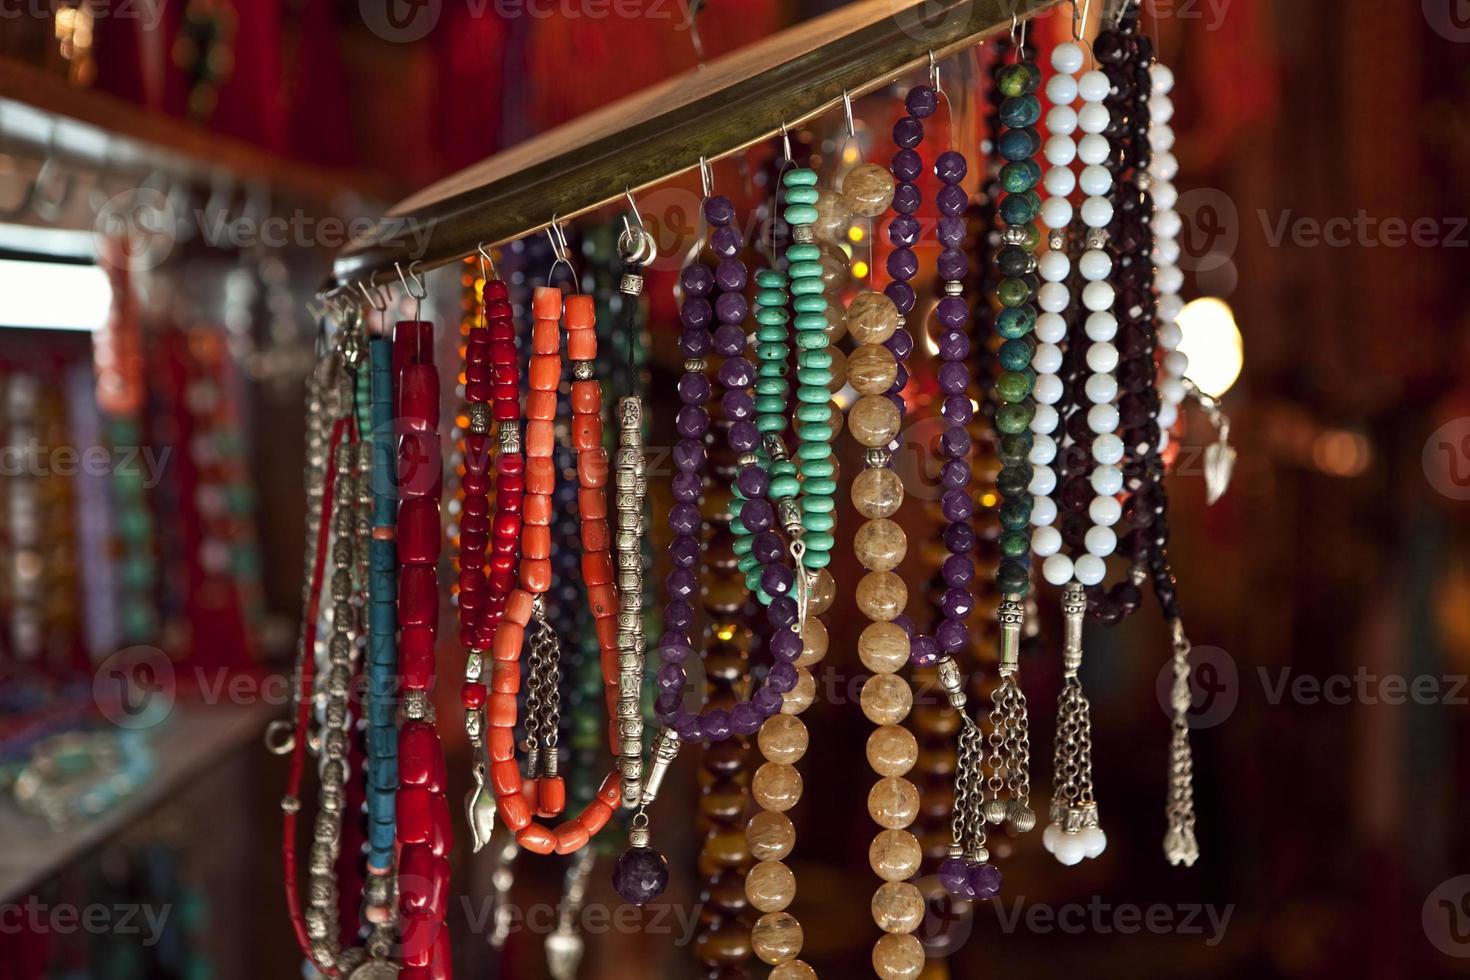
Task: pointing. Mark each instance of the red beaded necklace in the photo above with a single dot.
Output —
(502, 614)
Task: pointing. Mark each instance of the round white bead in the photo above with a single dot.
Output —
(1053, 297)
(1170, 306)
(1054, 266)
(1107, 449)
(1057, 569)
(1171, 391)
(1061, 90)
(1060, 151)
(1043, 450)
(1095, 264)
(1165, 195)
(1101, 326)
(1176, 362)
(1102, 418)
(1045, 419)
(1093, 86)
(1090, 569)
(1105, 511)
(1056, 212)
(1161, 138)
(1161, 77)
(1093, 117)
(1100, 541)
(1168, 415)
(1046, 541)
(1096, 180)
(1160, 108)
(1043, 480)
(1101, 388)
(1059, 181)
(1048, 389)
(1163, 440)
(1107, 480)
(1049, 837)
(1094, 841)
(1169, 278)
(1097, 212)
(1061, 120)
(1051, 328)
(1167, 224)
(1092, 148)
(1067, 57)
(1165, 167)
(1098, 295)
(1047, 358)
(1043, 511)
(1102, 357)
(1166, 250)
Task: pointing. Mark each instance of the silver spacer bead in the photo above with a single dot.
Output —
(1014, 235)
(877, 458)
(415, 705)
(953, 287)
(803, 234)
(694, 365)
(510, 438)
(479, 418)
(583, 370)
(1097, 237)
(630, 284)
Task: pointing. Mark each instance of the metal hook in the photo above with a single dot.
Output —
(706, 177)
(487, 261)
(637, 218)
(785, 142)
(374, 298)
(934, 74)
(847, 114)
(418, 297)
(561, 251)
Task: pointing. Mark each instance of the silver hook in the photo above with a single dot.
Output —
(706, 177)
(487, 261)
(561, 251)
(847, 114)
(785, 142)
(934, 74)
(637, 218)
(418, 297)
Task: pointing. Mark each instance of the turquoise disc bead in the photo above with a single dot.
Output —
(806, 195)
(815, 378)
(819, 505)
(810, 304)
(771, 316)
(814, 359)
(770, 279)
(802, 252)
(743, 545)
(814, 413)
(770, 404)
(808, 287)
(819, 522)
(771, 422)
(821, 486)
(773, 351)
(812, 395)
(814, 433)
(799, 177)
(810, 322)
(771, 298)
(799, 214)
(805, 270)
(811, 339)
(784, 487)
(818, 468)
(770, 386)
(813, 450)
(782, 467)
(820, 540)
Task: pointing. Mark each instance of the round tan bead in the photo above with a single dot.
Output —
(839, 369)
(898, 907)
(873, 420)
(877, 493)
(814, 641)
(894, 855)
(783, 738)
(886, 699)
(893, 802)
(871, 369)
(800, 697)
(776, 937)
(836, 269)
(898, 957)
(883, 647)
(868, 190)
(793, 970)
(882, 595)
(892, 750)
(836, 318)
(834, 217)
(770, 835)
(770, 886)
(776, 786)
(880, 545)
(871, 318)
(823, 592)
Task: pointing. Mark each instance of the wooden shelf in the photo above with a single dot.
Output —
(195, 737)
(729, 104)
(102, 131)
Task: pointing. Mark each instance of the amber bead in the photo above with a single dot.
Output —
(770, 886)
(871, 318)
(877, 493)
(893, 802)
(894, 855)
(776, 786)
(898, 957)
(776, 937)
(839, 370)
(836, 319)
(880, 545)
(881, 595)
(886, 699)
(836, 267)
(823, 592)
(898, 906)
(871, 369)
(726, 944)
(783, 738)
(800, 697)
(770, 835)
(726, 848)
(834, 217)
(873, 420)
(793, 970)
(883, 647)
(814, 640)
(868, 190)
(892, 750)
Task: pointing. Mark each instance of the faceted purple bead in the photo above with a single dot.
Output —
(696, 311)
(903, 263)
(688, 726)
(729, 337)
(902, 295)
(692, 421)
(957, 603)
(757, 514)
(923, 651)
(906, 623)
(951, 199)
(950, 167)
(954, 474)
(745, 718)
(731, 309)
(694, 389)
(731, 275)
(776, 579)
(906, 165)
(954, 875)
(716, 724)
(684, 518)
(641, 875)
(718, 210)
(785, 645)
(951, 231)
(694, 342)
(954, 345)
(959, 538)
(682, 583)
(666, 705)
(753, 482)
(954, 377)
(921, 101)
(696, 279)
(737, 372)
(953, 266)
(744, 437)
(767, 701)
(766, 547)
(956, 505)
(985, 881)
(725, 242)
(782, 611)
(953, 312)
(958, 409)
(782, 677)
(687, 486)
(906, 198)
(952, 635)
(738, 405)
(676, 653)
(684, 551)
(903, 230)
(679, 615)
(955, 442)
(901, 343)
(689, 454)
(958, 570)
(900, 378)
(908, 132)
(671, 677)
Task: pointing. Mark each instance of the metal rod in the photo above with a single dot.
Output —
(734, 102)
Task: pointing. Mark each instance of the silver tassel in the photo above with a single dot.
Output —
(1074, 833)
(1180, 845)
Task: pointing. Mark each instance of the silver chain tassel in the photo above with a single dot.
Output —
(1074, 833)
(1180, 845)
(1010, 740)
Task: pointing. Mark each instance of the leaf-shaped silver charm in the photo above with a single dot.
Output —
(480, 812)
(1219, 467)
